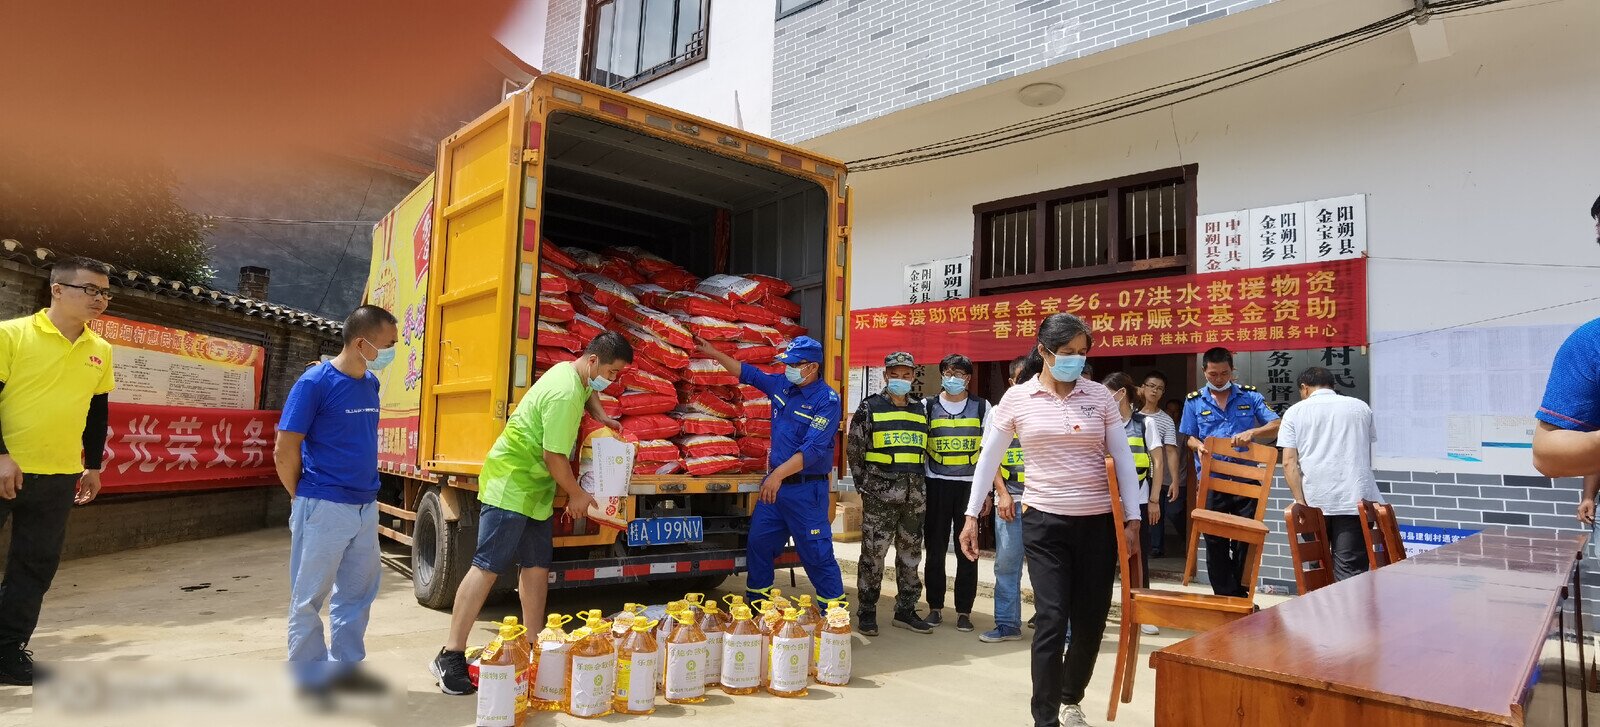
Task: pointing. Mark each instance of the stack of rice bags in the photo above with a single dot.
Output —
(686, 414)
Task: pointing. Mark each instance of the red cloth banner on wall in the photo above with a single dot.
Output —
(1259, 309)
(158, 448)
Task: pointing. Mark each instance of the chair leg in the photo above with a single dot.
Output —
(1122, 658)
(1131, 668)
(1190, 557)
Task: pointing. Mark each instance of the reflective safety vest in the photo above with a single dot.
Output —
(953, 442)
(1141, 455)
(1011, 469)
(899, 435)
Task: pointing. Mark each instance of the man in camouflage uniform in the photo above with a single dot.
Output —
(885, 450)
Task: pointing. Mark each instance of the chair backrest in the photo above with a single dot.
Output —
(1308, 547)
(1378, 553)
(1390, 527)
(1129, 564)
(1246, 473)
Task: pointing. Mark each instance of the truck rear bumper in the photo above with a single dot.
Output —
(602, 571)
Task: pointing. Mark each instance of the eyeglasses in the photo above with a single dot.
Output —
(90, 290)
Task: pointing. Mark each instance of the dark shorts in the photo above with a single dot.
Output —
(507, 539)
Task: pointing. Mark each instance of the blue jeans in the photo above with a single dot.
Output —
(1008, 570)
(333, 551)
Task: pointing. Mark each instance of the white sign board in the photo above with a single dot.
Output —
(1337, 228)
(1278, 235)
(1224, 242)
(938, 280)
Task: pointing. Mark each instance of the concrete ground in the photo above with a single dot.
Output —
(214, 611)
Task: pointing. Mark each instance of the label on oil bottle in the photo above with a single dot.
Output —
(741, 661)
(636, 680)
(834, 665)
(714, 656)
(686, 676)
(592, 684)
(549, 683)
(790, 663)
(497, 695)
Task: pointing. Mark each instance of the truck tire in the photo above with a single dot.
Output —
(440, 554)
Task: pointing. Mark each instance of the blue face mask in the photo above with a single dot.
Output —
(600, 383)
(793, 374)
(1068, 368)
(954, 385)
(897, 387)
(1214, 387)
(385, 357)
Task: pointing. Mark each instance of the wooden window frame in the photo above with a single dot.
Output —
(699, 50)
(1113, 189)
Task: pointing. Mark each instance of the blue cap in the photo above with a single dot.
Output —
(801, 350)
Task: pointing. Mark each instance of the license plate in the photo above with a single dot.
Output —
(665, 531)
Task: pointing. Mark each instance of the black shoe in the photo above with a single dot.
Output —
(867, 624)
(450, 668)
(16, 666)
(910, 622)
(1031, 625)
(935, 617)
(963, 623)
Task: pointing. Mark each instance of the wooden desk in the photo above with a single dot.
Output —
(1450, 637)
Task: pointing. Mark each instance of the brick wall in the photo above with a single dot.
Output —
(846, 61)
(563, 37)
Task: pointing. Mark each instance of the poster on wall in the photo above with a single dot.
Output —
(1278, 235)
(937, 280)
(399, 284)
(1288, 234)
(162, 366)
(1338, 228)
(1224, 242)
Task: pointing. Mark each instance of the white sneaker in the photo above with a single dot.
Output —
(1149, 630)
(1072, 716)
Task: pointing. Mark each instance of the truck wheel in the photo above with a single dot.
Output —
(440, 554)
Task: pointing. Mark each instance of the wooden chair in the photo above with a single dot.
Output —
(1308, 547)
(1381, 531)
(1131, 571)
(1251, 473)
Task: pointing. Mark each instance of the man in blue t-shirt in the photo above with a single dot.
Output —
(327, 458)
(1567, 440)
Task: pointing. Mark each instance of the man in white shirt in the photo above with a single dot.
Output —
(1327, 460)
(1151, 392)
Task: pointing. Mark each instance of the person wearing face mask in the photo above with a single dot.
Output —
(1008, 527)
(956, 421)
(885, 449)
(529, 461)
(1067, 427)
(1223, 408)
(794, 494)
(327, 458)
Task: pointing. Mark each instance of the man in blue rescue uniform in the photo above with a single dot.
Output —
(794, 495)
(1223, 408)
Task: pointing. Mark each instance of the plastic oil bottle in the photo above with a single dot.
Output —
(711, 626)
(663, 635)
(637, 663)
(622, 621)
(550, 669)
(768, 623)
(503, 677)
(791, 657)
(741, 654)
(686, 661)
(695, 602)
(809, 619)
(833, 660)
(592, 670)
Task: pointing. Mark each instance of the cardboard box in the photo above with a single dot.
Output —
(847, 522)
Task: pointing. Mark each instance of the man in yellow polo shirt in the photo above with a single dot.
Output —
(55, 376)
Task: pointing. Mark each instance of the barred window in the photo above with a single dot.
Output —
(628, 43)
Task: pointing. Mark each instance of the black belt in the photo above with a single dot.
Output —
(802, 479)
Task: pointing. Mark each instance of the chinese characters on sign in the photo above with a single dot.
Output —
(937, 280)
(1224, 242)
(173, 367)
(1337, 228)
(1290, 234)
(1276, 373)
(153, 448)
(398, 283)
(1278, 235)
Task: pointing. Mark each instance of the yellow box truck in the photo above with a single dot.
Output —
(458, 263)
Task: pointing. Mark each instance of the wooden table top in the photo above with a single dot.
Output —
(1456, 630)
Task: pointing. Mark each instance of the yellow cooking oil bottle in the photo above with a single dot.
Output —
(622, 621)
(592, 670)
(833, 639)
(808, 620)
(791, 657)
(550, 666)
(695, 602)
(768, 622)
(711, 626)
(503, 677)
(727, 613)
(686, 660)
(637, 662)
(741, 654)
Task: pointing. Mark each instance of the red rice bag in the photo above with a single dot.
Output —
(706, 372)
(651, 295)
(753, 466)
(551, 334)
(707, 445)
(675, 278)
(748, 392)
(755, 447)
(771, 287)
(758, 333)
(783, 307)
(649, 345)
(697, 423)
(552, 283)
(703, 466)
(775, 369)
(621, 272)
(645, 364)
(639, 379)
(555, 308)
(696, 304)
(664, 326)
(544, 357)
(731, 288)
(585, 328)
(746, 313)
(645, 261)
(757, 408)
(755, 427)
(611, 405)
(756, 353)
(550, 251)
(637, 403)
(608, 292)
(652, 450)
(788, 327)
(658, 468)
(712, 329)
(707, 403)
(583, 260)
(650, 426)
(594, 309)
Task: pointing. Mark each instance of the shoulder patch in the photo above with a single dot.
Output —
(1193, 395)
(1247, 387)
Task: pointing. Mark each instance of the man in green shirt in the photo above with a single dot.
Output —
(517, 489)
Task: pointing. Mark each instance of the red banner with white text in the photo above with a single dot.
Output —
(1261, 309)
(162, 448)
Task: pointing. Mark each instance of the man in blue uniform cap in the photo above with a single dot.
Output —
(794, 495)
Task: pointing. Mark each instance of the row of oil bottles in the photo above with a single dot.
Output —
(621, 664)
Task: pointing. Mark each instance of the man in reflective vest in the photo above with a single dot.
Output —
(885, 450)
(955, 428)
